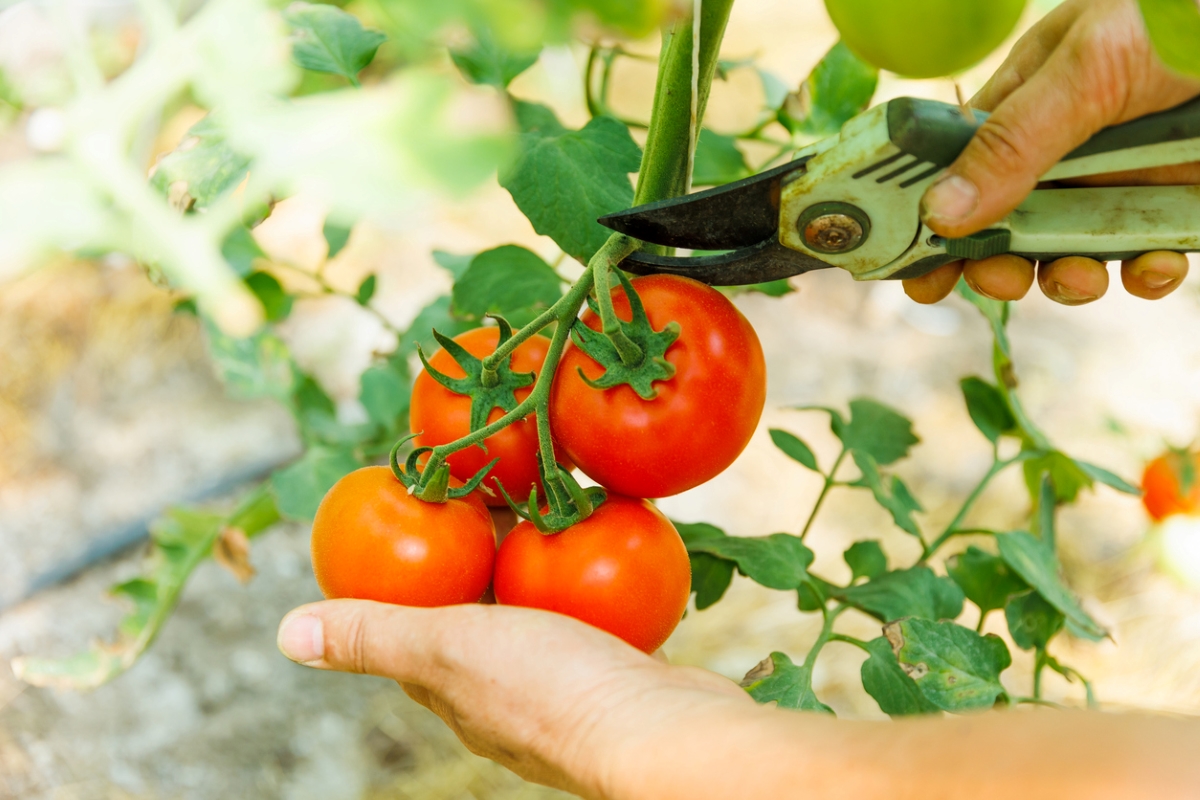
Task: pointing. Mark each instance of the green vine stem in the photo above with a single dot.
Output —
(952, 528)
(829, 484)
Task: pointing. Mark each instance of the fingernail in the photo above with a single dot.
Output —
(975, 287)
(1157, 280)
(952, 198)
(1070, 296)
(301, 638)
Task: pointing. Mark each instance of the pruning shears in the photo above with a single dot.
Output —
(851, 201)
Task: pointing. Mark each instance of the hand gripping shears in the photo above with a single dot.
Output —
(852, 200)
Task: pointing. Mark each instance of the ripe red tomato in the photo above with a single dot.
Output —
(702, 418)
(624, 569)
(1163, 483)
(372, 540)
(440, 416)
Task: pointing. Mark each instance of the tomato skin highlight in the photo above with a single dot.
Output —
(440, 416)
(702, 418)
(372, 540)
(624, 570)
(1162, 482)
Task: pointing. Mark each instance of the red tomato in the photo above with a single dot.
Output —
(624, 569)
(372, 540)
(1163, 481)
(441, 416)
(702, 418)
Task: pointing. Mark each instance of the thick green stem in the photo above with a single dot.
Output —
(829, 484)
(824, 636)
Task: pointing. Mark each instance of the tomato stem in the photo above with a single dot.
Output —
(829, 484)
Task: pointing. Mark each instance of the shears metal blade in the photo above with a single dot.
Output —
(852, 201)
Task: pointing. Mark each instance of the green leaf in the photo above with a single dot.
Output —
(814, 592)
(839, 87)
(486, 62)
(240, 250)
(327, 39)
(956, 668)
(1101, 475)
(366, 290)
(770, 288)
(718, 160)
(984, 578)
(317, 417)
(384, 392)
(437, 315)
(1174, 27)
(200, 170)
(778, 680)
(455, 264)
(879, 431)
(1035, 562)
(300, 487)
(897, 694)
(336, 237)
(276, 303)
(563, 180)
(988, 408)
(1066, 475)
(1032, 621)
(711, 575)
(778, 561)
(794, 448)
(257, 366)
(914, 592)
(866, 559)
(505, 280)
(890, 492)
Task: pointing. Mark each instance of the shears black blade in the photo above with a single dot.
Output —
(766, 261)
(739, 214)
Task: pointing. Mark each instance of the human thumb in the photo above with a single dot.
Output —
(358, 636)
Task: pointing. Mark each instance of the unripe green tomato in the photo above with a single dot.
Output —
(924, 38)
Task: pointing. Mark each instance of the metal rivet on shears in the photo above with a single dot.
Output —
(833, 227)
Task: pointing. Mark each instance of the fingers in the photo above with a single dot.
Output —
(1074, 280)
(1154, 275)
(1027, 56)
(932, 287)
(1003, 277)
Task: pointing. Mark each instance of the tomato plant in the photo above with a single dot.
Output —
(624, 569)
(1171, 484)
(700, 418)
(372, 540)
(439, 415)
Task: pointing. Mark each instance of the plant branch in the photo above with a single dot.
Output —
(829, 484)
(952, 529)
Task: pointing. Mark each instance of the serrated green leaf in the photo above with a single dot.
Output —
(563, 180)
(956, 669)
(890, 492)
(866, 559)
(487, 62)
(711, 575)
(794, 448)
(336, 237)
(1174, 27)
(300, 486)
(1032, 622)
(718, 160)
(366, 290)
(240, 250)
(201, 169)
(257, 366)
(1036, 563)
(505, 280)
(984, 578)
(276, 303)
(839, 87)
(327, 39)
(915, 592)
(385, 392)
(454, 263)
(987, 407)
(881, 432)
(778, 680)
(882, 677)
(778, 561)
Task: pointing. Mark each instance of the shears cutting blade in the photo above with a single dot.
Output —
(852, 201)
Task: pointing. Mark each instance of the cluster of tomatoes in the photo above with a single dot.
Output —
(624, 568)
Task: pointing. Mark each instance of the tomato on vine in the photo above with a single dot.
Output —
(439, 416)
(1171, 484)
(373, 540)
(624, 570)
(700, 419)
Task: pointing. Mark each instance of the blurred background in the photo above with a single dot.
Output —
(110, 411)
